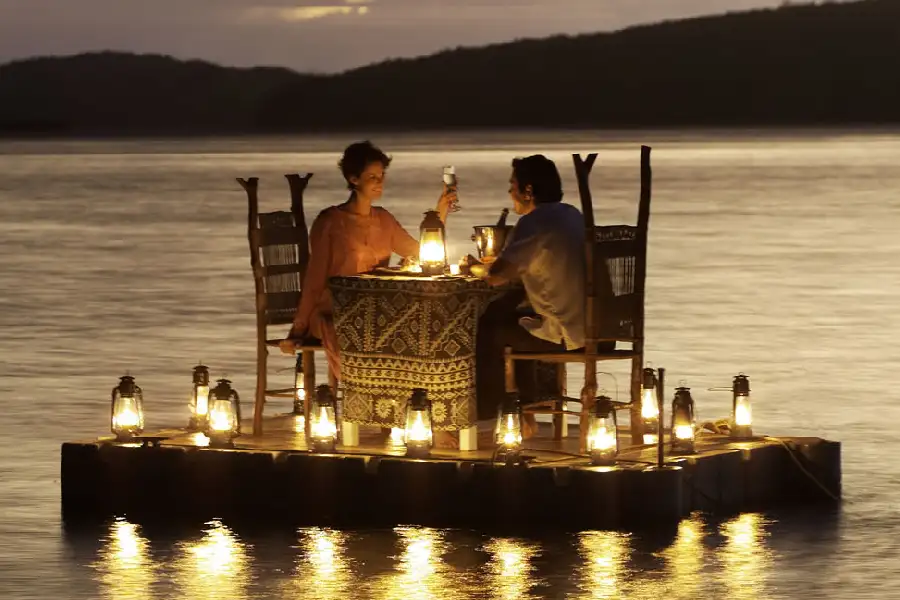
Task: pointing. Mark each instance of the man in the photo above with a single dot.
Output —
(546, 253)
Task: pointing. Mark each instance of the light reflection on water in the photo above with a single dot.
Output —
(604, 554)
(125, 568)
(511, 567)
(323, 569)
(745, 558)
(215, 566)
(728, 559)
(685, 558)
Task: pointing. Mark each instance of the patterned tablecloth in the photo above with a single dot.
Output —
(397, 333)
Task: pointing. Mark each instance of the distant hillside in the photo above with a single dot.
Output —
(796, 65)
(119, 93)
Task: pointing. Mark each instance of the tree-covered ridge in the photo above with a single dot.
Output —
(834, 63)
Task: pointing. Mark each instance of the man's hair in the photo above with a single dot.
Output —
(540, 173)
(358, 156)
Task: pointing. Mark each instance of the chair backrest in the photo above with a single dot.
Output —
(616, 258)
(279, 252)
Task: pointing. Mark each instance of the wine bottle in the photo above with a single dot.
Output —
(501, 222)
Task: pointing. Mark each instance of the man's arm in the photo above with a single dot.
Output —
(518, 253)
(501, 272)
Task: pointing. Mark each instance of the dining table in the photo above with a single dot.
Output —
(398, 331)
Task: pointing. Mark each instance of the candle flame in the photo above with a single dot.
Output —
(649, 406)
(418, 432)
(743, 416)
(219, 419)
(602, 439)
(684, 432)
(202, 405)
(323, 427)
(127, 418)
(431, 251)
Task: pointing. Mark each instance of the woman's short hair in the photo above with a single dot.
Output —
(540, 173)
(358, 156)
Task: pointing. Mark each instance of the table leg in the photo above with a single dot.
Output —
(468, 439)
(564, 421)
(349, 434)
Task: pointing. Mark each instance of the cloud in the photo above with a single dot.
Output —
(304, 13)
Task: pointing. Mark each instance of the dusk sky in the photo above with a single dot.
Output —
(314, 35)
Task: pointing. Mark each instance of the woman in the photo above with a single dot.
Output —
(348, 239)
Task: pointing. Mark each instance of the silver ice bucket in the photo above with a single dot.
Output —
(490, 239)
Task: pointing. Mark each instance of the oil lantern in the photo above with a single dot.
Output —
(419, 436)
(127, 409)
(199, 404)
(741, 411)
(224, 421)
(683, 421)
(432, 244)
(602, 440)
(322, 420)
(650, 406)
(508, 432)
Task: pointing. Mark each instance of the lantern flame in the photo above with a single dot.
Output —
(649, 407)
(202, 406)
(220, 419)
(323, 427)
(127, 418)
(602, 439)
(512, 435)
(743, 416)
(684, 432)
(418, 432)
(431, 249)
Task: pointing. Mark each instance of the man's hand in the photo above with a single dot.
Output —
(501, 272)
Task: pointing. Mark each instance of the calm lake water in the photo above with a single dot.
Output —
(774, 254)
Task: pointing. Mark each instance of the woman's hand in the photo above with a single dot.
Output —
(289, 344)
(448, 202)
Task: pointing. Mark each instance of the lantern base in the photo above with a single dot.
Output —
(742, 432)
(433, 270)
(651, 431)
(126, 436)
(601, 459)
(322, 446)
(414, 450)
(681, 448)
(511, 455)
(220, 441)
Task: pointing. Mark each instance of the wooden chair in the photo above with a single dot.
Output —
(616, 270)
(279, 253)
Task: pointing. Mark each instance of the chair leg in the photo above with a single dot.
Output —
(560, 422)
(588, 395)
(309, 383)
(509, 370)
(637, 423)
(262, 358)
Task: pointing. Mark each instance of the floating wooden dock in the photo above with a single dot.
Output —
(274, 478)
